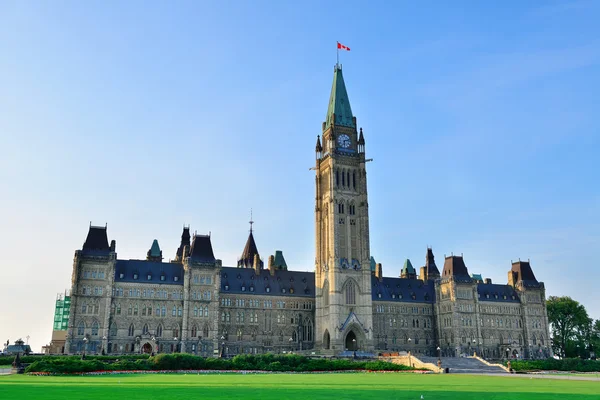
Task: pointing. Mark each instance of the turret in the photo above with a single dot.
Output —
(361, 142)
(408, 271)
(155, 253)
(319, 148)
(378, 271)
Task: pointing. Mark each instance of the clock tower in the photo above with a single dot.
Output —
(344, 320)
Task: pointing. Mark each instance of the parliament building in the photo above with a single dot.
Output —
(195, 304)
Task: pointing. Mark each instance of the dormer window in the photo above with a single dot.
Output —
(252, 288)
(121, 275)
(135, 276)
(487, 296)
(149, 277)
(268, 289)
(393, 296)
(162, 277)
(226, 287)
(283, 290)
(292, 290)
(175, 278)
(379, 295)
(513, 296)
(496, 296)
(243, 288)
(504, 297)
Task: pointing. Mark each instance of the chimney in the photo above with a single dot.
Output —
(487, 281)
(423, 274)
(113, 245)
(378, 271)
(272, 265)
(256, 264)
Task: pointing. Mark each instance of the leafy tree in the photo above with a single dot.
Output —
(569, 321)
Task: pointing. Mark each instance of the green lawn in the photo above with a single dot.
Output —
(306, 387)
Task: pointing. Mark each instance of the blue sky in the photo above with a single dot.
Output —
(481, 118)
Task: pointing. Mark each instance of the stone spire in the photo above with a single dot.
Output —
(185, 241)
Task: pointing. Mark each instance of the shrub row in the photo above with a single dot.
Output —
(173, 362)
(8, 360)
(551, 364)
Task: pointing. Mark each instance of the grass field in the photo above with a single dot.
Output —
(306, 387)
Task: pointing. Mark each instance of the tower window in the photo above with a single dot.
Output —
(348, 178)
(343, 179)
(350, 293)
(337, 178)
(354, 179)
(341, 208)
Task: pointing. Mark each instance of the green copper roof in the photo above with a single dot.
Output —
(339, 104)
(373, 264)
(279, 261)
(155, 249)
(477, 277)
(408, 268)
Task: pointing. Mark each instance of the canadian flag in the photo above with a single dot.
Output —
(341, 46)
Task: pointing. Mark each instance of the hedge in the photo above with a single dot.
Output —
(178, 362)
(551, 364)
(8, 360)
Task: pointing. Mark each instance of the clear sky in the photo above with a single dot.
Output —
(481, 117)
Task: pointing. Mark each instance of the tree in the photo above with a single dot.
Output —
(570, 322)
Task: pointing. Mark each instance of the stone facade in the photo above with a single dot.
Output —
(195, 304)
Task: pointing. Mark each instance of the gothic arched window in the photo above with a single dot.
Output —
(131, 330)
(81, 328)
(113, 329)
(95, 328)
(350, 293)
(159, 330)
(145, 329)
(194, 331)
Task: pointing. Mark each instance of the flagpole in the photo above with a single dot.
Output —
(337, 50)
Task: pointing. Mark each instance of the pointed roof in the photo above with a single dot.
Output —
(361, 138)
(318, 147)
(455, 266)
(523, 271)
(155, 249)
(279, 260)
(408, 268)
(201, 250)
(432, 269)
(97, 239)
(185, 241)
(339, 104)
(250, 249)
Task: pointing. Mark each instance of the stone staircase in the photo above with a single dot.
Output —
(467, 365)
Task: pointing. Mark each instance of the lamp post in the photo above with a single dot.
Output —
(222, 346)
(291, 340)
(103, 345)
(85, 340)
(354, 348)
(176, 345)
(475, 346)
(153, 344)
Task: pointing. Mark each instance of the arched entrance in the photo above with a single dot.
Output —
(326, 340)
(351, 341)
(147, 348)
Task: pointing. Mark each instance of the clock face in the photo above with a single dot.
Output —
(344, 141)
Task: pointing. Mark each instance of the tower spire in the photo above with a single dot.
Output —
(251, 221)
(339, 112)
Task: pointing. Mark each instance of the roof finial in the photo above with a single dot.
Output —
(251, 221)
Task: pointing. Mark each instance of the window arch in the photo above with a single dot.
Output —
(131, 330)
(308, 330)
(194, 331)
(113, 329)
(145, 329)
(176, 331)
(205, 331)
(350, 292)
(81, 328)
(159, 330)
(95, 327)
